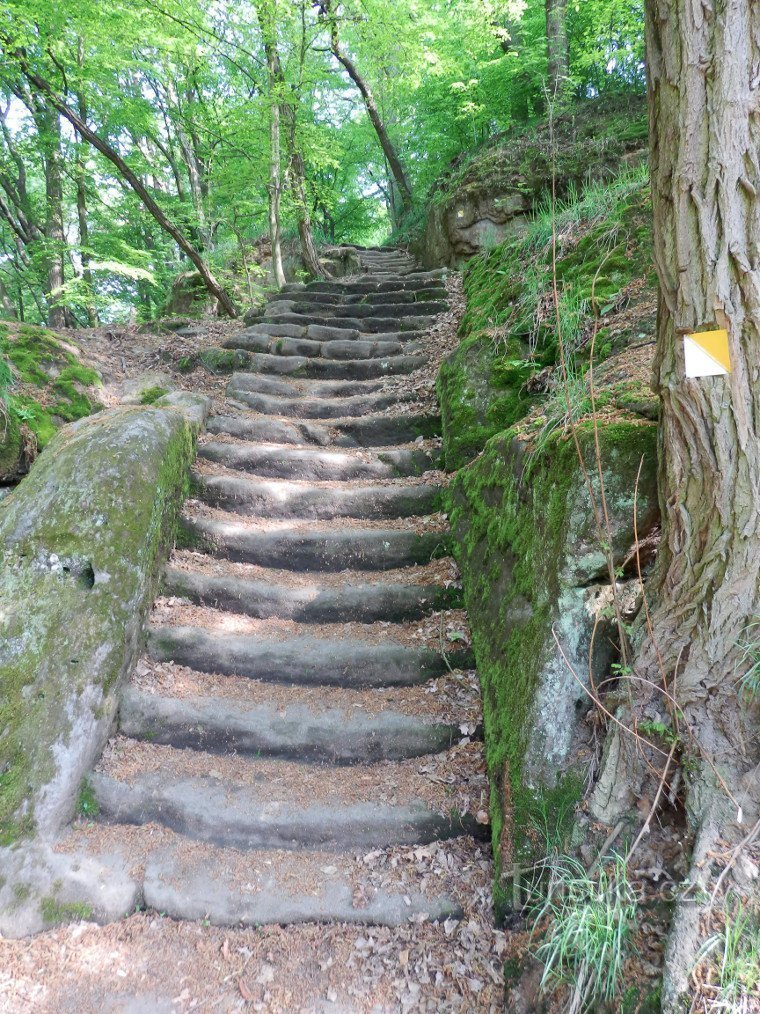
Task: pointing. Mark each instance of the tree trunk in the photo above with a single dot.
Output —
(703, 62)
(9, 307)
(557, 51)
(275, 192)
(49, 125)
(266, 13)
(214, 288)
(397, 169)
(82, 220)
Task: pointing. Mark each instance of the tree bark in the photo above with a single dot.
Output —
(389, 150)
(703, 66)
(49, 127)
(82, 218)
(557, 50)
(266, 13)
(97, 142)
(275, 183)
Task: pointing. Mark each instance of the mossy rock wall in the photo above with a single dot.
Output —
(478, 399)
(532, 567)
(82, 538)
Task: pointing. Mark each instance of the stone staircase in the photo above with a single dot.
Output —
(300, 706)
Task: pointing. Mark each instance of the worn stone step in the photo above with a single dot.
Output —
(396, 297)
(367, 325)
(281, 890)
(427, 308)
(281, 498)
(298, 732)
(315, 549)
(331, 369)
(312, 308)
(322, 408)
(247, 817)
(340, 349)
(280, 461)
(366, 285)
(358, 603)
(307, 661)
(262, 384)
(328, 333)
(368, 431)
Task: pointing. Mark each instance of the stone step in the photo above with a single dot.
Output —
(247, 817)
(331, 369)
(280, 461)
(313, 308)
(398, 297)
(322, 332)
(261, 384)
(321, 408)
(367, 325)
(281, 498)
(277, 889)
(315, 549)
(368, 431)
(306, 660)
(366, 285)
(357, 603)
(351, 349)
(299, 732)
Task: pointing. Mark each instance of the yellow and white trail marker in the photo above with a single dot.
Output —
(706, 354)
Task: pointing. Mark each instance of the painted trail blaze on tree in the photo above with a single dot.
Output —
(704, 95)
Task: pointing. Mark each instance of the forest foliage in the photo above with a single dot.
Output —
(204, 111)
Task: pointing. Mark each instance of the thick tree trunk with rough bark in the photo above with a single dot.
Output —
(704, 99)
(557, 51)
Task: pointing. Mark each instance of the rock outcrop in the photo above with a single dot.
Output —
(82, 537)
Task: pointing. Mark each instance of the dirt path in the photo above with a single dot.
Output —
(298, 780)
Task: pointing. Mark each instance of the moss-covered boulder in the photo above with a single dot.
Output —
(536, 583)
(81, 541)
(49, 385)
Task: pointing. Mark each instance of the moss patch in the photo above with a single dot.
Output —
(218, 360)
(50, 385)
(151, 395)
(56, 912)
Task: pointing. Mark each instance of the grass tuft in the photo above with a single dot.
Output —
(587, 940)
(733, 960)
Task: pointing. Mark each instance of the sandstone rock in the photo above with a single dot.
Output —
(82, 538)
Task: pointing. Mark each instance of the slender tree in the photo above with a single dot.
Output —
(557, 50)
(398, 172)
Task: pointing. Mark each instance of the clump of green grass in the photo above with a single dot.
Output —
(587, 940)
(734, 958)
(87, 804)
(749, 663)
